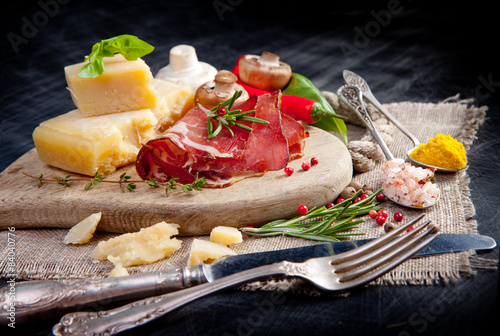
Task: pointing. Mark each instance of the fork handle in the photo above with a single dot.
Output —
(137, 313)
(42, 299)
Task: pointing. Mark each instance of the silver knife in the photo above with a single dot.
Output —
(43, 299)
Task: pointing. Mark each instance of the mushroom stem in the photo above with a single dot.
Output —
(185, 69)
(219, 90)
(183, 57)
(224, 82)
(269, 59)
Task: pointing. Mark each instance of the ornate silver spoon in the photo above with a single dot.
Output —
(351, 78)
(352, 96)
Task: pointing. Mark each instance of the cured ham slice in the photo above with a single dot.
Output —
(185, 150)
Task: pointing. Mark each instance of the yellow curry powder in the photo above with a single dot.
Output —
(442, 151)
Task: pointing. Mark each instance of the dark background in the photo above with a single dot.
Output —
(407, 51)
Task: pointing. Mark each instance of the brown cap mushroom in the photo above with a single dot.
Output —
(264, 72)
(219, 90)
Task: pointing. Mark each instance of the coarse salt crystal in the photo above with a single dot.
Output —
(407, 184)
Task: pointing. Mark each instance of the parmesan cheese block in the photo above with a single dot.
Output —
(144, 247)
(123, 86)
(173, 102)
(86, 145)
(206, 252)
(226, 235)
(82, 232)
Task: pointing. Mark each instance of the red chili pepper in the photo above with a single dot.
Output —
(250, 89)
(299, 108)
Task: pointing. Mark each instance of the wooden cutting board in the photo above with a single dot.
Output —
(253, 201)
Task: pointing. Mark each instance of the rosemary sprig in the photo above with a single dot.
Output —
(322, 224)
(125, 183)
(226, 117)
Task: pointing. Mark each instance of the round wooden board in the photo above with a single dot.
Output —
(252, 201)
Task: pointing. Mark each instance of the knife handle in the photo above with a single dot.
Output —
(137, 313)
(42, 299)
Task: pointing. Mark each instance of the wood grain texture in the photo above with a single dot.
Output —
(253, 201)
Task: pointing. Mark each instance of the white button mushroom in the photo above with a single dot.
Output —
(185, 69)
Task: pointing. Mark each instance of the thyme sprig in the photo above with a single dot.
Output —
(225, 116)
(125, 183)
(321, 224)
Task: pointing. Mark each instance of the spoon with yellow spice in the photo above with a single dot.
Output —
(443, 153)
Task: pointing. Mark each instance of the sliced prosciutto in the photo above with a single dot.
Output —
(185, 150)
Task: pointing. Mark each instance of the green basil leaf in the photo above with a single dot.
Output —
(130, 46)
(92, 69)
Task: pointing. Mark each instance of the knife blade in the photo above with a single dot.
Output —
(444, 243)
(44, 299)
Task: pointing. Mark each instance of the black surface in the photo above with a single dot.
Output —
(422, 52)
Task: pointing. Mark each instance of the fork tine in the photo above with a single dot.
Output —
(375, 253)
(355, 253)
(390, 260)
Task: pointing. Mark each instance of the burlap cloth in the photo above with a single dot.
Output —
(41, 253)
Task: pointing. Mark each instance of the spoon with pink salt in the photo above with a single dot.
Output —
(398, 178)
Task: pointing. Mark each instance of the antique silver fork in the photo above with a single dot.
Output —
(333, 273)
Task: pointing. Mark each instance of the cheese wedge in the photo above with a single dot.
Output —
(206, 252)
(225, 235)
(82, 232)
(173, 102)
(86, 145)
(144, 247)
(124, 86)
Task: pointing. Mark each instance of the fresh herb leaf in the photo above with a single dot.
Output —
(64, 181)
(322, 224)
(153, 183)
(95, 180)
(130, 46)
(226, 117)
(124, 178)
(40, 181)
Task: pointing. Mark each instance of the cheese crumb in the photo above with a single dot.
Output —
(206, 252)
(118, 271)
(82, 232)
(226, 235)
(144, 247)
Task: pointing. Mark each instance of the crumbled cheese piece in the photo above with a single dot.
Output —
(144, 247)
(124, 86)
(206, 252)
(85, 145)
(226, 235)
(118, 271)
(82, 232)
